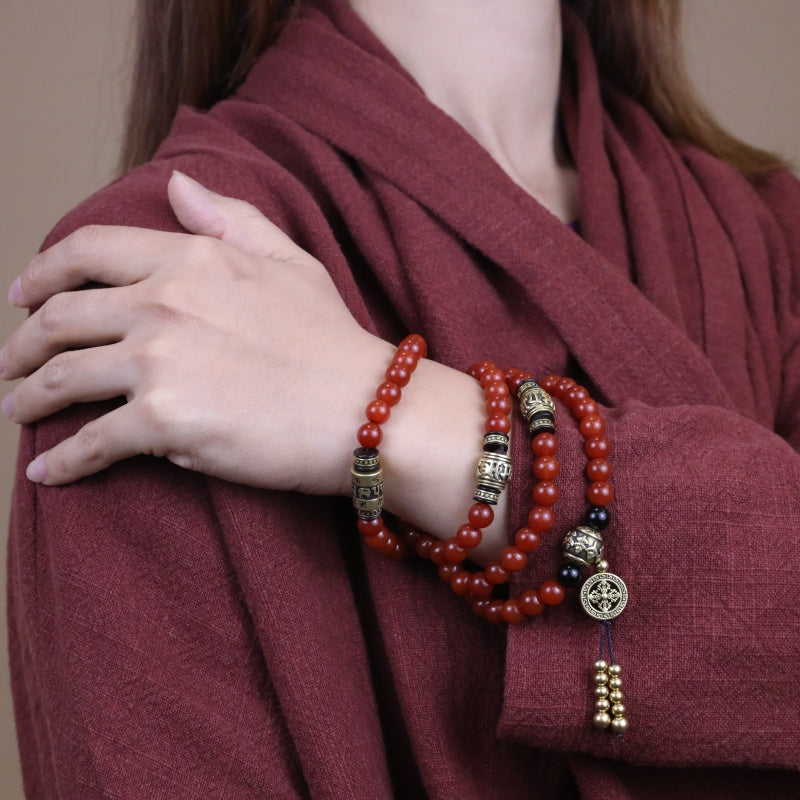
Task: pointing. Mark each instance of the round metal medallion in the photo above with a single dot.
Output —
(604, 595)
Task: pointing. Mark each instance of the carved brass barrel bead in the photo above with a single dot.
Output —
(494, 468)
(367, 481)
(537, 407)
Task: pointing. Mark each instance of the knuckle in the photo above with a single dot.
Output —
(167, 297)
(51, 316)
(90, 443)
(151, 356)
(33, 274)
(156, 411)
(201, 250)
(82, 243)
(55, 374)
(10, 352)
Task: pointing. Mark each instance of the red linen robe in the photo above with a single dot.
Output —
(178, 636)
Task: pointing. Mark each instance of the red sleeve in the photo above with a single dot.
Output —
(706, 515)
(138, 669)
(704, 534)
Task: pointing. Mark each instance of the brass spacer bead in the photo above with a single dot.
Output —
(615, 683)
(602, 704)
(601, 691)
(600, 678)
(601, 665)
(615, 696)
(496, 442)
(602, 565)
(618, 710)
(615, 670)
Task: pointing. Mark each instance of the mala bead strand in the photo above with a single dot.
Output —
(604, 595)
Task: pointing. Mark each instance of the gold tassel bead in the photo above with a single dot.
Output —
(619, 725)
(602, 720)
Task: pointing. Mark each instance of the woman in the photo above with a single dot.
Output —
(192, 636)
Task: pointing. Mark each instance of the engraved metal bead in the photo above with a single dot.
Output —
(492, 474)
(583, 546)
(367, 482)
(537, 407)
(601, 720)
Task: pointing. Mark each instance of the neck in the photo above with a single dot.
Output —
(494, 68)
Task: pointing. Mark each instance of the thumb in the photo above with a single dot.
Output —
(233, 221)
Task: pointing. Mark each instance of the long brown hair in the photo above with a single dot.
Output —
(196, 52)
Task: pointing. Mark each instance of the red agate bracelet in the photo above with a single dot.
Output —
(366, 472)
(367, 475)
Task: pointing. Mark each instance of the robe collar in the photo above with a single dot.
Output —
(332, 76)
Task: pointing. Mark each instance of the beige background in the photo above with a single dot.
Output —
(63, 65)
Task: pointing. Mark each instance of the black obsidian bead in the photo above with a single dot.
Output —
(598, 517)
(569, 576)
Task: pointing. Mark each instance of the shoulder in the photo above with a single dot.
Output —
(227, 152)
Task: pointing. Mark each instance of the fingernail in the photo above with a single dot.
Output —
(15, 292)
(191, 181)
(36, 471)
(8, 406)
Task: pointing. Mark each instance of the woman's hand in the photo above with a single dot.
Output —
(233, 348)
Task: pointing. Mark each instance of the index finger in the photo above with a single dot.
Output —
(113, 255)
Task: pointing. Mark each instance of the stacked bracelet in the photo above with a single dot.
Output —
(603, 595)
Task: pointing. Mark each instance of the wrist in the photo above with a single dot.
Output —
(430, 451)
